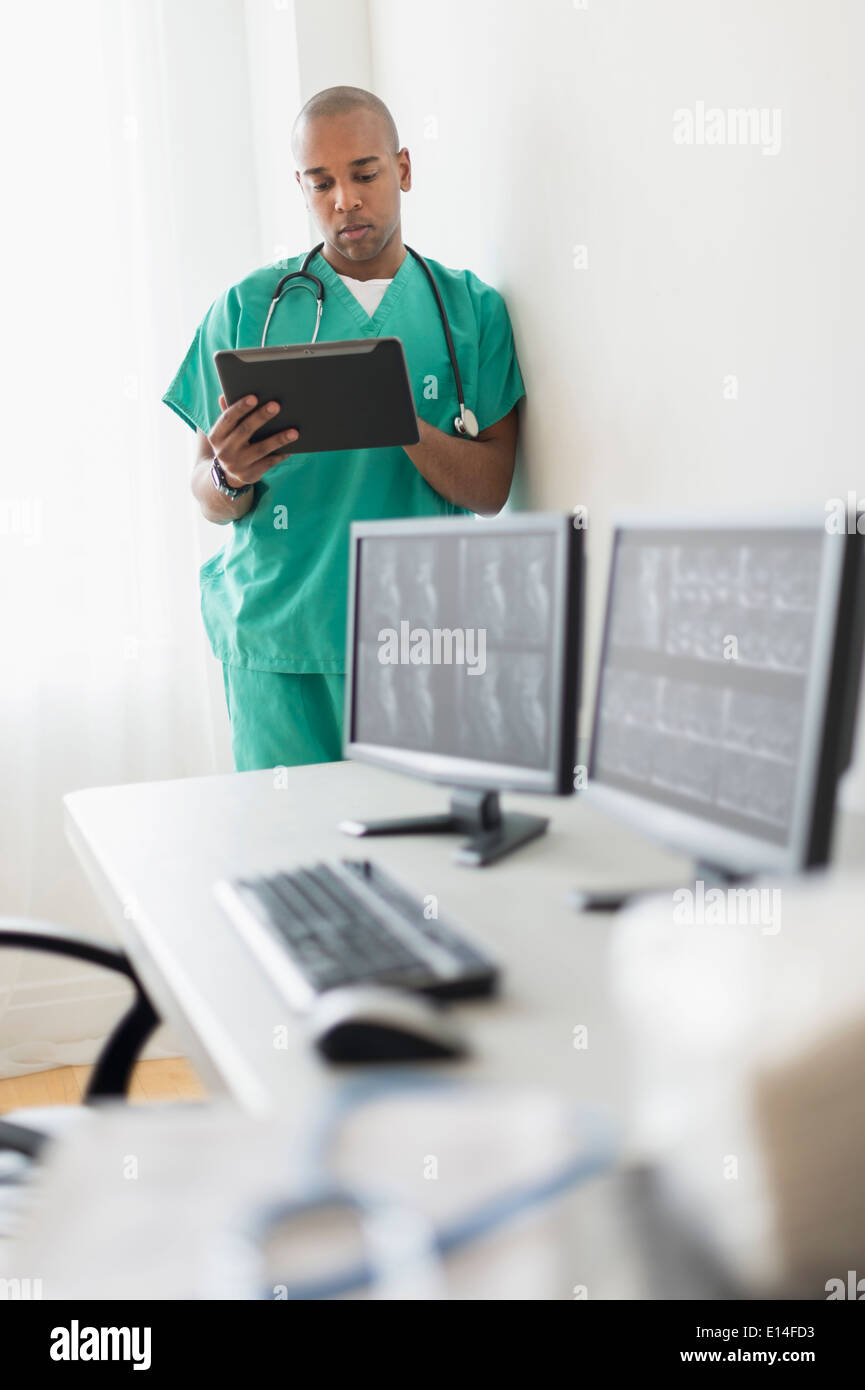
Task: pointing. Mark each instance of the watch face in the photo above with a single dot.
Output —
(222, 486)
(218, 477)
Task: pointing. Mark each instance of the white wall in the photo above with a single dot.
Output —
(294, 49)
(537, 128)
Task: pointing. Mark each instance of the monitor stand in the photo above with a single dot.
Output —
(477, 814)
(613, 900)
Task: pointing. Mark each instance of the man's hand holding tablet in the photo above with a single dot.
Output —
(243, 462)
(229, 464)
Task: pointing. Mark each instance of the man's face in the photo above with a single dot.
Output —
(351, 179)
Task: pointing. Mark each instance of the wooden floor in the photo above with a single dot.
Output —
(171, 1079)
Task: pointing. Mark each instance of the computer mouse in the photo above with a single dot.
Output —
(374, 1023)
(598, 900)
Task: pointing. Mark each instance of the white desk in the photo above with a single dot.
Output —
(153, 851)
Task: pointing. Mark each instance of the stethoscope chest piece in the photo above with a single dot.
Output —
(466, 423)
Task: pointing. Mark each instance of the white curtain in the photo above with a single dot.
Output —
(119, 117)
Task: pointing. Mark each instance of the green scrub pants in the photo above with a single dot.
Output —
(282, 720)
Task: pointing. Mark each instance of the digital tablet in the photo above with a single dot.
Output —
(351, 394)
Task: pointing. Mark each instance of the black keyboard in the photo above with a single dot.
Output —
(348, 922)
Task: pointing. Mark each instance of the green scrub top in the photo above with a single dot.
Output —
(275, 597)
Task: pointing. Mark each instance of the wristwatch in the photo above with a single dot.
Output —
(220, 482)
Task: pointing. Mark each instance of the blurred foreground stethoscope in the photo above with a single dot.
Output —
(464, 423)
(402, 1252)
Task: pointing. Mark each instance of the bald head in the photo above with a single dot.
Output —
(343, 101)
(351, 171)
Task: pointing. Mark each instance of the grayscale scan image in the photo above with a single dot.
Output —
(455, 645)
(704, 672)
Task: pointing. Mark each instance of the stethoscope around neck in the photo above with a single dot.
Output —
(465, 423)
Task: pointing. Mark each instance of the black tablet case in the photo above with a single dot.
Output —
(351, 394)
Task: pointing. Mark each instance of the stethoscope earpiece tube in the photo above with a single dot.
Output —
(465, 423)
(306, 281)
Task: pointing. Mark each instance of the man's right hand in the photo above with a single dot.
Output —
(243, 462)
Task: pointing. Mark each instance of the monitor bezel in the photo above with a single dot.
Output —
(838, 626)
(558, 777)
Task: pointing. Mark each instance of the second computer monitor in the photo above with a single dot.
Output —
(727, 685)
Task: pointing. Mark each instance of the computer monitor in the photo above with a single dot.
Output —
(727, 686)
(463, 650)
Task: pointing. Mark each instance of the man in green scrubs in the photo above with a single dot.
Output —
(274, 598)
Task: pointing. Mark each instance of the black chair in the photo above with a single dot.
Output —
(25, 1133)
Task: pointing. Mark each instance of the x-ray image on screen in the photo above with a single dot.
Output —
(703, 687)
(397, 701)
(513, 606)
(508, 710)
(453, 646)
(392, 585)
